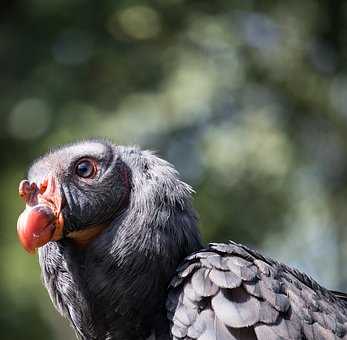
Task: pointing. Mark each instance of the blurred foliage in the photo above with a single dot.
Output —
(247, 98)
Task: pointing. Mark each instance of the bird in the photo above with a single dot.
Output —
(121, 257)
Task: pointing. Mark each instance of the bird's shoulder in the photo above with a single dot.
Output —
(228, 291)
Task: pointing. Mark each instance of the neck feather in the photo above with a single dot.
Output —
(149, 240)
(115, 288)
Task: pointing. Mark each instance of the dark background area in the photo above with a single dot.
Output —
(247, 98)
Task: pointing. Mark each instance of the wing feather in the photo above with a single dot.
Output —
(229, 292)
(202, 284)
(225, 279)
(236, 308)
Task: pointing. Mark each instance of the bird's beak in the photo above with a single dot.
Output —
(42, 220)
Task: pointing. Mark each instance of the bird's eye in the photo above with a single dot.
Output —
(86, 168)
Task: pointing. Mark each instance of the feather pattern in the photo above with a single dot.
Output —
(246, 296)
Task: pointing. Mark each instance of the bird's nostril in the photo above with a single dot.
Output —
(43, 186)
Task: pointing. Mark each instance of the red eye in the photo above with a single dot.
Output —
(86, 168)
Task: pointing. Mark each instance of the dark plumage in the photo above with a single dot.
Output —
(114, 226)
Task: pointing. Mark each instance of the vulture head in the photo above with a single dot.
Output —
(111, 224)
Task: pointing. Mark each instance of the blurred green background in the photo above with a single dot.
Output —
(247, 98)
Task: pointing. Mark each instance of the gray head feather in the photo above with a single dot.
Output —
(115, 288)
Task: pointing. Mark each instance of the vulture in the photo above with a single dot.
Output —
(122, 259)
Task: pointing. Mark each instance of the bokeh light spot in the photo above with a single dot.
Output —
(139, 22)
(29, 119)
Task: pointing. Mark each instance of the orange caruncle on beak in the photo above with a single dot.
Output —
(41, 221)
